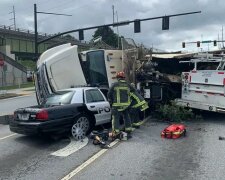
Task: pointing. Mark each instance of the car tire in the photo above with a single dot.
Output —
(81, 127)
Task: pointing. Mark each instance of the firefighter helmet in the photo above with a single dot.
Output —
(120, 75)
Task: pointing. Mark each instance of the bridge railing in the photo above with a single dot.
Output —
(24, 30)
(41, 35)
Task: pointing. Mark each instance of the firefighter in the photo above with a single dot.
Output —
(119, 98)
(137, 104)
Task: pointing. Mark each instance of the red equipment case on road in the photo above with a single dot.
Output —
(174, 131)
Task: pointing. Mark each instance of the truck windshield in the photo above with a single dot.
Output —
(62, 97)
(95, 68)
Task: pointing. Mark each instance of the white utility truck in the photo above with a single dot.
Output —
(204, 89)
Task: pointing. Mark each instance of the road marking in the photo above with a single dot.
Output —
(71, 148)
(7, 136)
(89, 161)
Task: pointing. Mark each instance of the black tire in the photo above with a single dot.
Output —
(81, 127)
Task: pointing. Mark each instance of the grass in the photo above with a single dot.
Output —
(30, 89)
(29, 84)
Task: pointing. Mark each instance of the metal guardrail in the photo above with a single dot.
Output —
(24, 31)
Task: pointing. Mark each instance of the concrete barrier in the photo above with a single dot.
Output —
(6, 119)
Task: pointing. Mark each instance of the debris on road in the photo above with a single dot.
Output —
(221, 138)
(100, 138)
(103, 137)
(174, 131)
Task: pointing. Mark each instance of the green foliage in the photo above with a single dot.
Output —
(29, 64)
(108, 36)
(173, 112)
(69, 37)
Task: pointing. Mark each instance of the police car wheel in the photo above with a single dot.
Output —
(80, 127)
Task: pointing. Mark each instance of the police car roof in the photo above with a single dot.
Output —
(78, 89)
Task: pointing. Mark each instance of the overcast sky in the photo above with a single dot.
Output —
(197, 27)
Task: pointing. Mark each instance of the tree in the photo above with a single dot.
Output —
(68, 36)
(108, 36)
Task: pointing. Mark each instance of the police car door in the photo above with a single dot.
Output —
(97, 103)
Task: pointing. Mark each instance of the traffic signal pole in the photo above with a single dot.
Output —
(202, 42)
(35, 32)
(35, 28)
(121, 23)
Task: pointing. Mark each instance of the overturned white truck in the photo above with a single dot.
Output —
(63, 67)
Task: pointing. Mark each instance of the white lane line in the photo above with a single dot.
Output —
(89, 161)
(7, 136)
(71, 148)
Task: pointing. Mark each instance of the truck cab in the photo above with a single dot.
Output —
(63, 67)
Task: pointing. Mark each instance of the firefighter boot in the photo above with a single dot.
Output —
(136, 125)
(129, 135)
(129, 130)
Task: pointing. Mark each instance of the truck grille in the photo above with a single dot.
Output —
(43, 90)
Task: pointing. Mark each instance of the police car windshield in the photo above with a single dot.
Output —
(62, 97)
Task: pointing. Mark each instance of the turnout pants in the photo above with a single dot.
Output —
(116, 114)
(135, 117)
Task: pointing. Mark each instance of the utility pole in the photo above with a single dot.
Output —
(35, 32)
(14, 18)
(118, 39)
(219, 45)
(113, 12)
(222, 37)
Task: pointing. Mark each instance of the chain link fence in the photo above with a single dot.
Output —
(11, 76)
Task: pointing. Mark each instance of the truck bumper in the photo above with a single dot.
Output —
(33, 128)
(199, 105)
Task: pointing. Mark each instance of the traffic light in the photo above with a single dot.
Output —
(81, 35)
(214, 43)
(165, 23)
(198, 43)
(183, 44)
(137, 26)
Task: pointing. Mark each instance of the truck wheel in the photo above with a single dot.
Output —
(81, 127)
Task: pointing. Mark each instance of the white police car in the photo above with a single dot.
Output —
(75, 111)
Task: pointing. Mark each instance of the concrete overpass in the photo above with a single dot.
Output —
(20, 42)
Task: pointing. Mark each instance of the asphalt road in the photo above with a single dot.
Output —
(199, 155)
(8, 106)
(28, 158)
